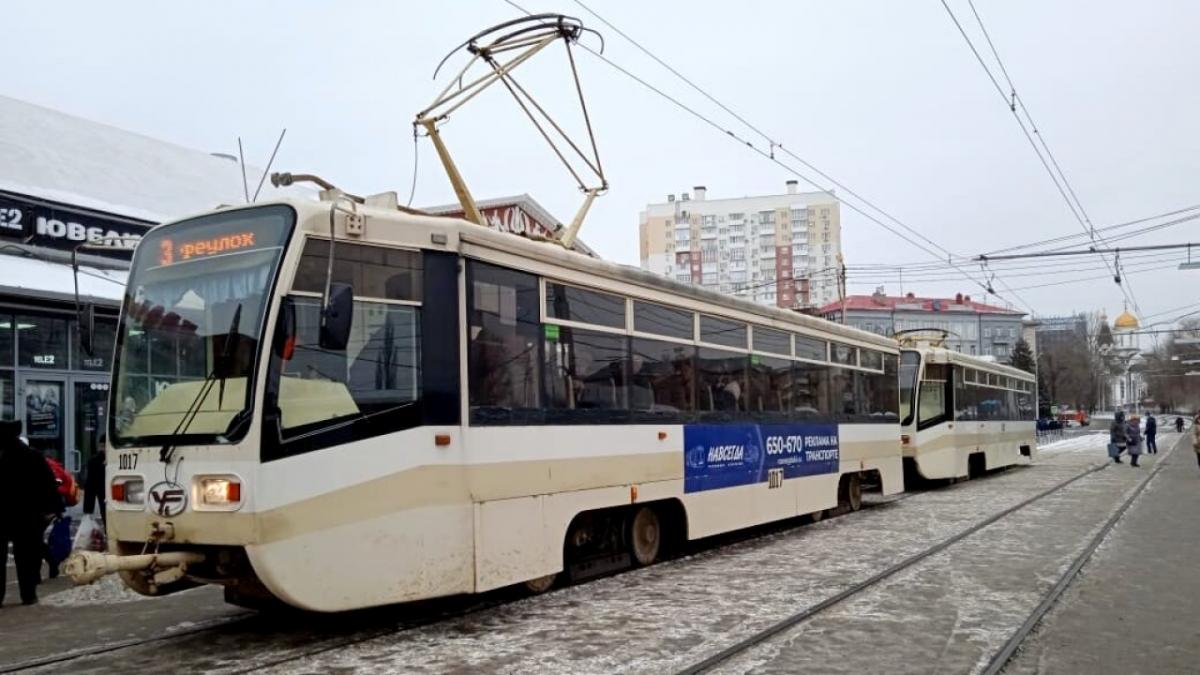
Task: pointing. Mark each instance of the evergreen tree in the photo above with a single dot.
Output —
(1022, 356)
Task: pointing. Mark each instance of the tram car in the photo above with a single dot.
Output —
(344, 403)
(962, 416)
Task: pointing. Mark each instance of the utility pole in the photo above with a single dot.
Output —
(842, 284)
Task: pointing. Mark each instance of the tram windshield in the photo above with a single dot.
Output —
(192, 326)
(910, 368)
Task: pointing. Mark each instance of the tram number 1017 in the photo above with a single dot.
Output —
(127, 461)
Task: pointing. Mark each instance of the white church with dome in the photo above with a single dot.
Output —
(1126, 387)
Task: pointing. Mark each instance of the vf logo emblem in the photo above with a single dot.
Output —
(168, 499)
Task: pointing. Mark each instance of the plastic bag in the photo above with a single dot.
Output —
(59, 540)
(90, 536)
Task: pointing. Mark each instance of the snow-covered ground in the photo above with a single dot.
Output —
(1096, 441)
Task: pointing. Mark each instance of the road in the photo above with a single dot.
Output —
(947, 612)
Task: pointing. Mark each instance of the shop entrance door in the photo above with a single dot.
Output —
(42, 400)
(89, 415)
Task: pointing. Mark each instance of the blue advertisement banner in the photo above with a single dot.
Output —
(724, 455)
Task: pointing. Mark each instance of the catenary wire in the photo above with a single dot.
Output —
(770, 157)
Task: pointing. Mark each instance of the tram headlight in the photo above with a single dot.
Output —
(219, 491)
(129, 490)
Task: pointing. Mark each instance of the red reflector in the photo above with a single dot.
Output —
(441, 439)
(904, 439)
(233, 492)
(289, 348)
(118, 492)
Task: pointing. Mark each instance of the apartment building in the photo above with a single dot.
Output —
(779, 249)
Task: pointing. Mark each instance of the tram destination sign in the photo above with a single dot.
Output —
(46, 224)
(726, 455)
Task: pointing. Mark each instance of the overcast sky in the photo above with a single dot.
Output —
(886, 97)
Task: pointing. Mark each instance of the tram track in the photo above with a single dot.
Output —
(1004, 655)
(118, 645)
(792, 620)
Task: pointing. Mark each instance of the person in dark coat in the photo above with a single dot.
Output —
(1135, 439)
(1179, 425)
(93, 482)
(1118, 435)
(1151, 430)
(28, 501)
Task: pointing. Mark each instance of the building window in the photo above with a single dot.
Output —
(42, 342)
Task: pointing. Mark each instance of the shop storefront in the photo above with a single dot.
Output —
(47, 380)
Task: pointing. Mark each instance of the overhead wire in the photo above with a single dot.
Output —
(1013, 101)
(770, 155)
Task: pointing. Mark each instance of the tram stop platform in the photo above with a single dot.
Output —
(1135, 607)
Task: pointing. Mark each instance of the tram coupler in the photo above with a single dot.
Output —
(84, 567)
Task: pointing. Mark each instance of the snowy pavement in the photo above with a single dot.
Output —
(955, 606)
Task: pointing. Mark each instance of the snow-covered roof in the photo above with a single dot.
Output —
(54, 281)
(49, 154)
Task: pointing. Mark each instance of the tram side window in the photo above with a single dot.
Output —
(810, 391)
(965, 399)
(721, 387)
(931, 406)
(845, 388)
(378, 371)
(881, 389)
(770, 398)
(662, 380)
(586, 374)
(504, 340)
(577, 304)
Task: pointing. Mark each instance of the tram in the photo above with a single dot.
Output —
(963, 416)
(344, 403)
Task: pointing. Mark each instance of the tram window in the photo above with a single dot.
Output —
(717, 331)
(931, 406)
(964, 408)
(882, 391)
(810, 391)
(378, 371)
(869, 358)
(1025, 407)
(808, 348)
(373, 271)
(844, 354)
(770, 397)
(773, 341)
(504, 338)
(910, 368)
(577, 304)
(666, 321)
(721, 387)
(586, 374)
(661, 380)
(844, 388)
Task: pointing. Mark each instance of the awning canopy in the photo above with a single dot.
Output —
(43, 279)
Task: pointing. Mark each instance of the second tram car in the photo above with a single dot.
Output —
(963, 416)
(341, 405)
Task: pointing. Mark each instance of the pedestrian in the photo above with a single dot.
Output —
(93, 482)
(1196, 436)
(1135, 439)
(1151, 430)
(1179, 425)
(1118, 437)
(28, 501)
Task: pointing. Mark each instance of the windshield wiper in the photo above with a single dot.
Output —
(220, 369)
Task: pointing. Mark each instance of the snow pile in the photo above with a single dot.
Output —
(1096, 441)
(107, 590)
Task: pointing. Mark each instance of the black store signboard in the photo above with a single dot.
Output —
(41, 223)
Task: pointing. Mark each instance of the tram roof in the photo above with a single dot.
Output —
(944, 355)
(458, 230)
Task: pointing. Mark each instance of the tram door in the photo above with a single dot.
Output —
(42, 402)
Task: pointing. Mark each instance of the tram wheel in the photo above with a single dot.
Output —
(850, 493)
(645, 536)
(541, 584)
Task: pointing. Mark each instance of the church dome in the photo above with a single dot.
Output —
(1126, 321)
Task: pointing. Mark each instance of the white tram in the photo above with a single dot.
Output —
(427, 407)
(963, 416)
